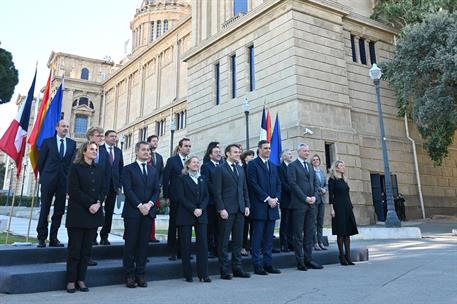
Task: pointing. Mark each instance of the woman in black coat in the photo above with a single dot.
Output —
(84, 213)
(192, 193)
(343, 220)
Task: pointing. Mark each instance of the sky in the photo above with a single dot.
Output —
(30, 30)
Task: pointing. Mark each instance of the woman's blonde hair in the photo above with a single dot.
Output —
(185, 170)
(334, 174)
(79, 158)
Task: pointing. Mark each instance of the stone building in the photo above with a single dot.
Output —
(193, 63)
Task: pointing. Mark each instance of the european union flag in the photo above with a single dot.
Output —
(276, 143)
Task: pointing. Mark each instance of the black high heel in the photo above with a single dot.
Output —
(190, 280)
(343, 260)
(205, 280)
(71, 289)
(348, 260)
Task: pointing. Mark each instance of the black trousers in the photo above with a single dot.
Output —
(48, 192)
(172, 239)
(319, 220)
(304, 229)
(136, 234)
(247, 230)
(185, 238)
(234, 226)
(286, 228)
(79, 249)
(108, 207)
(212, 228)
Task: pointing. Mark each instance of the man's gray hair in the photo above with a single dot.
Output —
(302, 145)
(284, 152)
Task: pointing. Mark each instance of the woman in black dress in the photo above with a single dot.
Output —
(84, 213)
(192, 193)
(343, 220)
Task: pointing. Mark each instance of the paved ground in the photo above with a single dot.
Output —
(400, 271)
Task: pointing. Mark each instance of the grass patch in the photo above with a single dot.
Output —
(14, 238)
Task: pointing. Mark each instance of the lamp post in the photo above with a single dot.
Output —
(172, 129)
(392, 218)
(122, 141)
(246, 109)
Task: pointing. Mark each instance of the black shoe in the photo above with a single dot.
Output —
(284, 249)
(260, 271)
(271, 269)
(154, 241)
(205, 280)
(241, 274)
(172, 257)
(302, 267)
(190, 280)
(322, 247)
(141, 282)
(226, 276)
(95, 243)
(91, 263)
(55, 243)
(41, 244)
(211, 255)
(348, 259)
(104, 242)
(313, 265)
(71, 287)
(82, 286)
(275, 250)
(316, 247)
(131, 282)
(343, 261)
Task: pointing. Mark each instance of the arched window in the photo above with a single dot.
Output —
(85, 74)
(83, 101)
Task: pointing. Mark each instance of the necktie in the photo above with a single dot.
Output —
(266, 165)
(111, 156)
(144, 170)
(61, 149)
(153, 159)
(234, 169)
(306, 167)
(216, 165)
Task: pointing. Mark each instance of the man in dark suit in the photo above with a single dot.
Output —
(156, 161)
(56, 155)
(232, 201)
(114, 186)
(304, 190)
(214, 161)
(141, 188)
(264, 193)
(173, 169)
(285, 228)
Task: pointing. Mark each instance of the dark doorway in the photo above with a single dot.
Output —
(378, 193)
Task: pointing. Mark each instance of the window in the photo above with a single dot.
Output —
(329, 154)
(180, 119)
(233, 75)
(81, 123)
(251, 68)
(217, 78)
(128, 141)
(240, 6)
(85, 74)
(165, 26)
(372, 50)
(354, 56)
(151, 38)
(160, 127)
(62, 115)
(158, 29)
(363, 54)
(143, 134)
(83, 101)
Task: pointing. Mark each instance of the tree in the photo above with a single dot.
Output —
(8, 76)
(423, 74)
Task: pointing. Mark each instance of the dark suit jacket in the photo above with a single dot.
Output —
(190, 197)
(263, 183)
(85, 187)
(173, 169)
(54, 169)
(116, 168)
(158, 164)
(230, 191)
(139, 190)
(285, 187)
(302, 184)
(207, 170)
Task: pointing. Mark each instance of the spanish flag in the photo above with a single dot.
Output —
(34, 152)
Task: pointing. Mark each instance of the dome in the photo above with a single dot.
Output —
(155, 5)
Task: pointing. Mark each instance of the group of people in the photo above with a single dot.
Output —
(224, 197)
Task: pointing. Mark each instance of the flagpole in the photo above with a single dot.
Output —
(35, 192)
(12, 209)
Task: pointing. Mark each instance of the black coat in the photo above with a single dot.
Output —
(190, 197)
(285, 187)
(173, 169)
(231, 191)
(302, 184)
(139, 190)
(54, 169)
(115, 170)
(158, 165)
(85, 187)
(207, 171)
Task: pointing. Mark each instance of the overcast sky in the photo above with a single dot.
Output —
(31, 29)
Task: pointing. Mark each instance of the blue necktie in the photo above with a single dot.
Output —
(61, 149)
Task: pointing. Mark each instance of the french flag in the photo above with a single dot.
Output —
(263, 126)
(14, 140)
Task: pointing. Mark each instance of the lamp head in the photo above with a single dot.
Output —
(246, 106)
(375, 72)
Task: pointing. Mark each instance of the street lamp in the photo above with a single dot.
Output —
(246, 109)
(172, 129)
(122, 141)
(392, 218)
